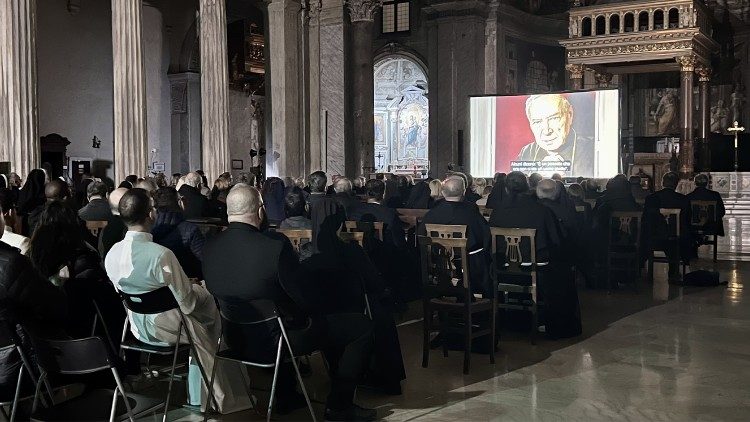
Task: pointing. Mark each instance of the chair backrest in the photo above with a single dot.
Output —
(625, 228)
(513, 254)
(358, 237)
(671, 217)
(440, 257)
(446, 231)
(153, 302)
(95, 227)
(367, 227)
(703, 214)
(79, 356)
(297, 237)
(255, 311)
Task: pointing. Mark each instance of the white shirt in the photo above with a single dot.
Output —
(137, 265)
(15, 240)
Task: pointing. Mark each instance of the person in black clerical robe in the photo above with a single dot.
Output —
(556, 285)
(344, 274)
(702, 193)
(495, 200)
(454, 211)
(420, 198)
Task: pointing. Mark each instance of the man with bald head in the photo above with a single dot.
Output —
(455, 211)
(243, 264)
(115, 229)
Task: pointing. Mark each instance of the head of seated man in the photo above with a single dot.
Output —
(670, 180)
(516, 183)
(343, 186)
(375, 190)
(317, 182)
(701, 181)
(137, 210)
(294, 203)
(245, 205)
(454, 188)
(96, 190)
(194, 180)
(114, 199)
(56, 190)
(548, 189)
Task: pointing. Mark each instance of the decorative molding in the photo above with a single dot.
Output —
(603, 79)
(704, 73)
(576, 70)
(363, 10)
(314, 9)
(687, 63)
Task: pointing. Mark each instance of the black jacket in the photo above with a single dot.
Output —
(111, 234)
(194, 204)
(704, 194)
(393, 230)
(96, 210)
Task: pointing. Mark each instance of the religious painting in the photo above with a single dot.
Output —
(412, 133)
(379, 129)
(662, 112)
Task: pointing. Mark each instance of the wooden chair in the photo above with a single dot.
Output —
(297, 237)
(95, 227)
(358, 237)
(366, 227)
(447, 291)
(513, 265)
(446, 231)
(671, 217)
(623, 246)
(705, 223)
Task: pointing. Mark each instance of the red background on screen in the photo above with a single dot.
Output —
(512, 132)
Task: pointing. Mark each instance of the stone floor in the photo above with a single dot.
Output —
(665, 353)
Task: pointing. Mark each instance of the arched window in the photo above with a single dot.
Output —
(643, 21)
(614, 24)
(401, 115)
(628, 23)
(674, 18)
(586, 27)
(601, 25)
(659, 19)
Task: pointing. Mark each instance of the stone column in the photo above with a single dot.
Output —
(19, 140)
(214, 88)
(287, 149)
(332, 92)
(314, 137)
(360, 148)
(687, 68)
(131, 147)
(704, 77)
(603, 80)
(576, 75)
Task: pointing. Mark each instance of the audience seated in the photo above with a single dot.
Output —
(273, 199)
(137, 265)
(296, 213)
(30, 197)
(148, 185)
(436, 191)
(181, 237)
(81, 190)
(194, 203)
(639, 194)
(359, 185)
(54, 190)
(552, 195)
(343, 194)
(420, 197)
(495, 200)
(478, 187)
(10, 238)
(97, 208)
(373, 210)
(317, 186)
(115, 229)
(455, 211)
(217, 201)
(204, 190)
(242, 264)
(702, 193)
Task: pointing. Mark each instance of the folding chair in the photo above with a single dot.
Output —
(156, 302)
(79, 357)
(262, 311)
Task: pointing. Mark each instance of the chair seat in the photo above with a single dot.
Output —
(135, 344)
(95, 406)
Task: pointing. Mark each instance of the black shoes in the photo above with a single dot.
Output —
(353, 413)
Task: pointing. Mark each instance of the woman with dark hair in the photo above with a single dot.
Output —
(30, 197)
(171, 230)
(59, 253)
(344, 274)
(273, 199)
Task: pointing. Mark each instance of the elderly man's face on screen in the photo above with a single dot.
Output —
(550, 117)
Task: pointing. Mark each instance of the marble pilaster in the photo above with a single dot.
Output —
(283, 37)
(214, 88)
(687, 69)
(131, 145)
(186, 121)
(19, 140)
(704, 129)
(333, 102)
(314, 138)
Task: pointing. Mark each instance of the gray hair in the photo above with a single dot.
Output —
(548, 189)
(148, 185)
(193, 179)
(342, 185)
(114, 199)
(96, 188)
(454, 187)
(243, 200)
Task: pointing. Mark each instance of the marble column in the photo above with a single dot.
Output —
(19, 140)
(331, 113)
(576, 75)
(283, 38)
(314, 138)
(704, 77)
(131, 147)
(603, 79)
(360, 148)
(214, 88)
(687, 69)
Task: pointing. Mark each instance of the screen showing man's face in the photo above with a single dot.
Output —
(549, 122)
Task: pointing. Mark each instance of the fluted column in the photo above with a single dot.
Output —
(576, 75)
(131, 147)
(360, 148)
(19, 141)
(687, 152)
(704, 77)
(214, 88)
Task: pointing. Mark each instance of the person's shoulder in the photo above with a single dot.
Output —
(526, 150)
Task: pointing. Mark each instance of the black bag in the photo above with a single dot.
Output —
(702, 278)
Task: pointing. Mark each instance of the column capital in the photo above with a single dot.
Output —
(576, 70)
(314, 9)
(704, 73)
(363, 10)
(687, 63)
(603, 79)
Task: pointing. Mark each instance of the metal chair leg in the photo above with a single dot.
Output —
(211, 383)
(426, 328)
(275, 379)
(296, 369)
(193, 349)
(113, 407)
(124, 396)
(171, 377)
(15, 397)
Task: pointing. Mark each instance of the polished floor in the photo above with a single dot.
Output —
(665, 353)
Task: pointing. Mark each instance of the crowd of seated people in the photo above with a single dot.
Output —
(335, 296)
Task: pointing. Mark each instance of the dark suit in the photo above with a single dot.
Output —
(703, 194)
(242, 264)
(194, 204)
(655, 228)
(111, 234)
(347, 201)
(96, 210)
(393, 230)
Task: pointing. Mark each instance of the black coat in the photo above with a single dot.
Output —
(111, 234)
(194, 204)
(654, 226)
(524, 211)
(704, 194)
(96, 210)
(393, 230)
(347, 201)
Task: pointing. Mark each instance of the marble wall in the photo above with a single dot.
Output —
(332, 96)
